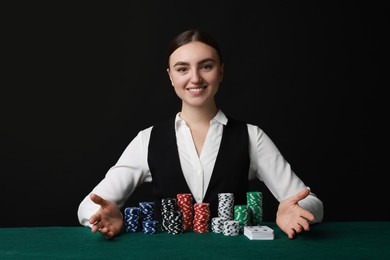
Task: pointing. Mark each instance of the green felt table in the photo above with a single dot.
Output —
(328, 240)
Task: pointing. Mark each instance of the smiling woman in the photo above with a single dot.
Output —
(201, 151)
(195, 71)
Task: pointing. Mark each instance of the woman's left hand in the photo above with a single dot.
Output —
(291, 218)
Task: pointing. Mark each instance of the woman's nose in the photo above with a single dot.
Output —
(196, 77)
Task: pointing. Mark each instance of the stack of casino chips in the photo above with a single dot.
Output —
(255, 205)
(172, 217)
(147, 210)
(242, 214)
(226, 205)
(149, 224)
(201, 223)
(184, 201)
(231, 228)
(174, 222)
(225, 211)
(217, 224)
(167, 205)
(132, 219)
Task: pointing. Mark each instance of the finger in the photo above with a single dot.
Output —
(291, 234)
(298, 196)
(109, 235)
(304, 224)
(302, 194)
(104, 230)
(94, 219)
(97, 199)
(307, 215)
(97, 227)
(298, 228)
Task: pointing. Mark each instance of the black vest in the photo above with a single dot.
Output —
(230, 173)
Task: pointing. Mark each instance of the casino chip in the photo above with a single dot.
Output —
(231, 228)
(132, 219)
(150, 226)
(201, 223)
(255, 205)
(172, 217)
(217, 224)
(225, 205)
(185, 203)
(147, 210)
(242, 215)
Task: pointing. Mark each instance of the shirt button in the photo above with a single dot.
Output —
(199, 172)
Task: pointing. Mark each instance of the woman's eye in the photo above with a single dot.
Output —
(207, 67)
(182, 69)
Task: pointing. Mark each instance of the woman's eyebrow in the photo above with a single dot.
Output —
(206, 60)
(180, 63)
(183, 63)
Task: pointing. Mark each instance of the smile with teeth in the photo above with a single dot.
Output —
(196, 89)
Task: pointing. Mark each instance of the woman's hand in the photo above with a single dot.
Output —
(292, 218)
(108, 220)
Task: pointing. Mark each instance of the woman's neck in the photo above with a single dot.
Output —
(196, 115)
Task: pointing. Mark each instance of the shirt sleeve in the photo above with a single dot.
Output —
(130, 171)
(270, 167)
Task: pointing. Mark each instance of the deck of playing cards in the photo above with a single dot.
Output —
(259, 232)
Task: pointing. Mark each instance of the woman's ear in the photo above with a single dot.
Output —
(169, 75)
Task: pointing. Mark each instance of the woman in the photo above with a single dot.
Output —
(201, 151)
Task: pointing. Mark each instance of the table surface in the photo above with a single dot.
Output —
(328, 240)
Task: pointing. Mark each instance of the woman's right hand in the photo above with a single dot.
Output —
(108, 220)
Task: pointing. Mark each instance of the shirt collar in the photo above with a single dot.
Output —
(220, 118)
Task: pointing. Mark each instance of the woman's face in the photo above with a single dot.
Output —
(195, 72)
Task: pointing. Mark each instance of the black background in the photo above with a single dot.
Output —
(80, 81)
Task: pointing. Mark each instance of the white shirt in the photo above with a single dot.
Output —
(266, 163)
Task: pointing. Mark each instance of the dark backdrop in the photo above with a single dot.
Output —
(81, 80)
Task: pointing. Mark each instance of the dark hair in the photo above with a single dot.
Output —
(191, 36)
